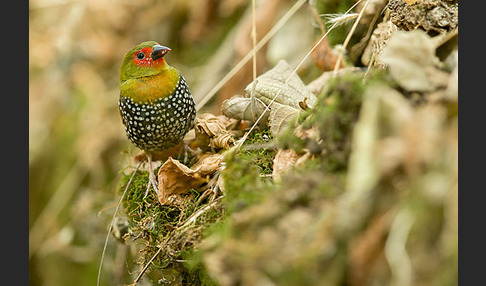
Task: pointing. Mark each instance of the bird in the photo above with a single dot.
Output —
(155, 104)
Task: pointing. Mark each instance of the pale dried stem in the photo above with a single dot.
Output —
(194, 216)
(318, 19)
(253, 36)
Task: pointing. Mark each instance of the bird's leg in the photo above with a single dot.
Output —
(152, 181)
(186, 150)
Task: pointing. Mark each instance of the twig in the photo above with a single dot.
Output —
(106, 208)
(197, 214)
(211, 186)
(112, 220)
(148, 264)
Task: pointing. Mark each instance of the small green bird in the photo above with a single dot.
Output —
(155, 103)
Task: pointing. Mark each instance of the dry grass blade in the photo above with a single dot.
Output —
(339, 18)
(111, 223)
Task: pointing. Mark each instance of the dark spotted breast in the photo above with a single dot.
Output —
(161, 124)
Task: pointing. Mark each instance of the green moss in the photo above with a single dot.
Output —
(153, 226)
(264, 215)
(196, 270)
(260, 157)
(334, 116)
(242, 183)
(288, 140)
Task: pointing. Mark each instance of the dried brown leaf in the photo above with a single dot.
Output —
(319, 83)
(283, 161)
(292, 97)
(207, 165)
(272, 82)
(176, 179)
(240, 108)
(324, 57)
(211, 132)
(280, 118)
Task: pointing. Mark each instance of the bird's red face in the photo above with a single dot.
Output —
(150, 56)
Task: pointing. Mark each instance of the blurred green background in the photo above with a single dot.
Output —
(77, 144)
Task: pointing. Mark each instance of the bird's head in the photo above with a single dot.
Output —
(143, 60)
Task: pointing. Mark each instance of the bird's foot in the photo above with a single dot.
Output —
(186, 150)
(152, 181)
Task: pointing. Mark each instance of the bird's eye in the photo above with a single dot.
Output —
(140, 55)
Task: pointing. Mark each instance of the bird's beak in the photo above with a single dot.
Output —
(159, 51)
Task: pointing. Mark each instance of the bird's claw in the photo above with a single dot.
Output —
(153, 183)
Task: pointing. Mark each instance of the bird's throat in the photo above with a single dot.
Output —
(144, 90)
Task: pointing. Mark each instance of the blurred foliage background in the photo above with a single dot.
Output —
(77, 145)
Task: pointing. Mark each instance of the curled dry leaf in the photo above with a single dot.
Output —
(207, 164)
(273, 82)
(176, 179)
(284, 159)
(240, 108)
(211, 132)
